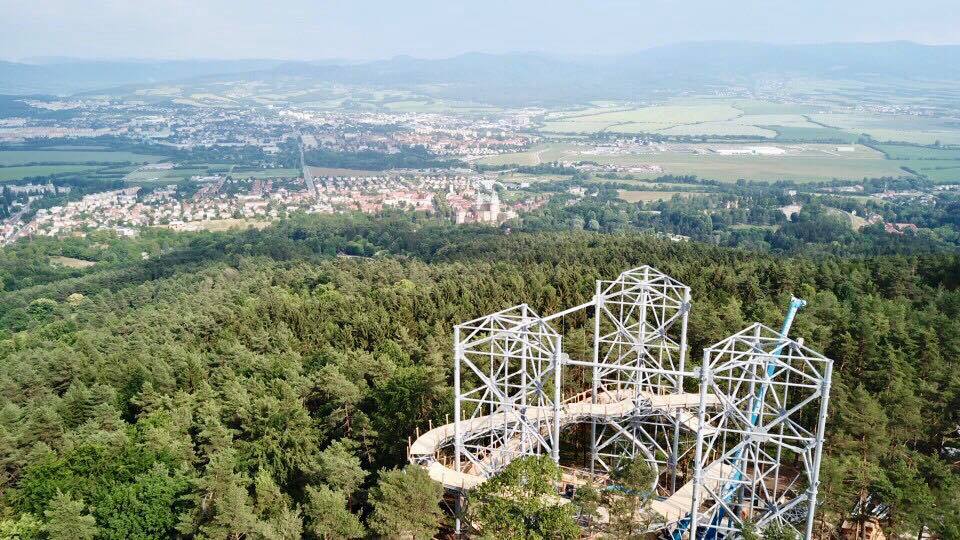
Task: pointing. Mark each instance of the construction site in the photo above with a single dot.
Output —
(733, 439)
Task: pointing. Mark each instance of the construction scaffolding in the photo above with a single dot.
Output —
(718, 452)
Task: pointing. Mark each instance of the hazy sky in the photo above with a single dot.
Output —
(358, 29)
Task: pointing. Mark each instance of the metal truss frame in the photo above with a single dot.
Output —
(640, 343)
(769, 389)
(506, 376)
(634, 327)
(762, 398)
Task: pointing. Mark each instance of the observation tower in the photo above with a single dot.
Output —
(735, 439)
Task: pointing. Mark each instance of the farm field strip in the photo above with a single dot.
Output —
(8, 174)
(21, 157)
(803, 163)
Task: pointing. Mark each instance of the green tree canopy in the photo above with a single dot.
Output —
(522, 502)
(406, 503)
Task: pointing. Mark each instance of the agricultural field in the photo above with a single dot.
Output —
(704, 117)
(9, 174)
(813, 134)
(19, 164)
(333, 171)
(944, 172)
(799, 163)
(901, 128)
(170, 176)
(22, 157)
(167, 176)
(265, 173)
(639, 119)
(937, 164)
(753, 119)
(895, 151)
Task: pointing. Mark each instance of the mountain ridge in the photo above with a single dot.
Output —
(524, 75)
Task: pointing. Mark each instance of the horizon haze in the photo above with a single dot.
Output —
(301, 30)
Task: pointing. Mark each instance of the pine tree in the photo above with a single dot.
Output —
(67, 519)
(862, 426)
(406, 503)
(223, 508)
(327, 514)
(339, 468)
(278, 520)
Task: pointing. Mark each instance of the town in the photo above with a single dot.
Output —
(221, 201)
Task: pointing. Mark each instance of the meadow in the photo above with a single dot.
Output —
(698, 117)
(802, 163)
(179, 174)
(333, 171)
(22, 157)
(633, 196)
(163, 176)
(9, 174)
(70, 262)
(754, 119)
(901, 128)
(265, 173)
(937, 164)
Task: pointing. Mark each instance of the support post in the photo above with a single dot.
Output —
(675, 452)
(597, 307)
(698, 464)
(683, 337)
(557, 371)
(818, 450)
(678, 388)
(457, 434)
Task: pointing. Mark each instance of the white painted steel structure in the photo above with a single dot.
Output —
(718, 452)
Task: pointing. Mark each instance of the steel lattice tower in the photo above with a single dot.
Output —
(718, 452)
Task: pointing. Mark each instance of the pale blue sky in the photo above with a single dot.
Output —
(319, 29)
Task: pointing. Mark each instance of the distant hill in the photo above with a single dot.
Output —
(530, 77)
(63, 76)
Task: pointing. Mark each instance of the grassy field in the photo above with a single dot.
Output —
(815, 133)
(330, 171)
(650, 196)
(918, 152)
(520, 178)
(703, 118)
(178, 175)
(217, 225)
(168, 176)
(937, 164)
(723, 129)
(754, 106)
(265, 173)
(70, 262)
(754, 118)
(803, 163)
(8, 174)
(945, 172)
(639, 119)
(905, 128)
(20, 157)
(692, 117)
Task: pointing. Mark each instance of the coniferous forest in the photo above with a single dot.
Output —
(260, 384)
